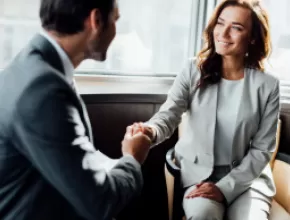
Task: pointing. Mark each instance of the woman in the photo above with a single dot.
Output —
(232, 111)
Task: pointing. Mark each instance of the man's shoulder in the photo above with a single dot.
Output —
(34, 80)
(44, 86)
(32, 75)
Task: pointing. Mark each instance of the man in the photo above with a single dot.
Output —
(45, 135)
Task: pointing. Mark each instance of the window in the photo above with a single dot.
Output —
(154, 37)
(278, 63)
(18, 22)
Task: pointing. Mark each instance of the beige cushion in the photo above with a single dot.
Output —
(281, 174)
(278, 212)
(170, 190)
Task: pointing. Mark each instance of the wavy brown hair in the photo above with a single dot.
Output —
(210, 63)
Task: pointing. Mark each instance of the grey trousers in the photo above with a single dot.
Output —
(251, 205)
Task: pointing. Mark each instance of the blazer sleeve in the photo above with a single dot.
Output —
(263, 145)
(49, 132)
(169, 115)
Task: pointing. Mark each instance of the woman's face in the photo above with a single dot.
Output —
(232, 32)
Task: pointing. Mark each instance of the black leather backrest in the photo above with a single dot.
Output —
(285, 129)
(110, 115)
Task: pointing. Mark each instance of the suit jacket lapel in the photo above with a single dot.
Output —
(51, 56)
(244, 110)
(211, 116)
(207, 100)
(86, 120)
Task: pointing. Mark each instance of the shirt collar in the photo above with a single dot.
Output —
(67, 64)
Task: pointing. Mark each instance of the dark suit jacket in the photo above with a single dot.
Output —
(44, 136)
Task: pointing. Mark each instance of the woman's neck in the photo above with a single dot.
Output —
(232, 68)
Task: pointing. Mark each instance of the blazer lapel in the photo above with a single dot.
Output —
(207, 100)
(245, 110)
(210, 121)
(86, 120)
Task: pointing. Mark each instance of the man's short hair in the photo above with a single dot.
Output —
(68, 16)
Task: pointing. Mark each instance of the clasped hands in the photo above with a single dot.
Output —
(137, 141)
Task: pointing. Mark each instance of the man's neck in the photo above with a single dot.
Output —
(72, 46)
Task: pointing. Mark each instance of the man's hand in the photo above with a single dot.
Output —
(140, 127)
(207, 190)
(137, 145)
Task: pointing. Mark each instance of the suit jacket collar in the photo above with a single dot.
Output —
(48, 52)
(66, 61)
(208, 97)
(245, 108)
(50, 55)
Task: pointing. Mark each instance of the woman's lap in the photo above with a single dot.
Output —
(250, 205)
(202, 208)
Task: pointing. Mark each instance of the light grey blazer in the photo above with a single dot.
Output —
(254, 136)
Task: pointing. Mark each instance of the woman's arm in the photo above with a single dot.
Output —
(165, 121)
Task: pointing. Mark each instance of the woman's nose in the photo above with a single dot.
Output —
(224, 32)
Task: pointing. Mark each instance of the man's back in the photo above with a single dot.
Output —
(24, 193)
(43, 140)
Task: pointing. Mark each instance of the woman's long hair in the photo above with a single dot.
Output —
(210, 63)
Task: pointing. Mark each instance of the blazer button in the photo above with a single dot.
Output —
(235, 163)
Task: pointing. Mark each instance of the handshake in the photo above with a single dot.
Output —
(137, 141)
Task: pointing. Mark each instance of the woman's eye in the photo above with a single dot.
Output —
(237, 28)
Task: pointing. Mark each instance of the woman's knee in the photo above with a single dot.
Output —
(236, 214)
(203, 209)
(250, 205)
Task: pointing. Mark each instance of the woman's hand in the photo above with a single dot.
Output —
(140, 127)
(207, 190)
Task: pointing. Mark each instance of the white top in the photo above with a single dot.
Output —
(229, 97)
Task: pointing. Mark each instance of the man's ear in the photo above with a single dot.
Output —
(95, 20)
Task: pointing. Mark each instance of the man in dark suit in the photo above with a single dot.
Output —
(45, 135)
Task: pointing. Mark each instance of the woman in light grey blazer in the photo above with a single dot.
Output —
(232, 109)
